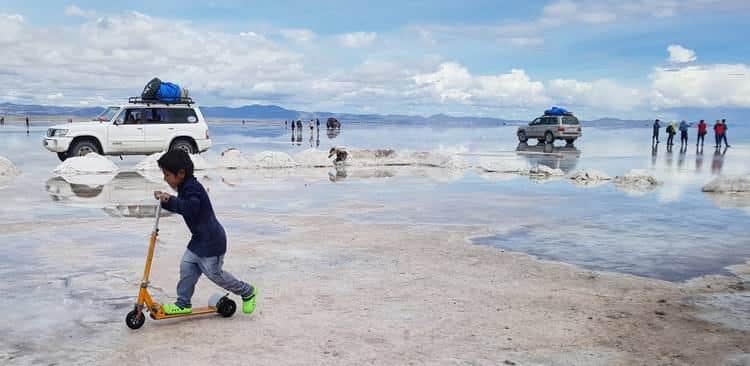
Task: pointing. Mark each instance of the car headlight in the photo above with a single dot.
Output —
(59, 132)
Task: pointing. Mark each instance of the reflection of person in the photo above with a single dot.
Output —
(698, 159)
(2, 121)
(654, 153)
(718, 161)
(702, 130)
(655, 136)
(206, 249)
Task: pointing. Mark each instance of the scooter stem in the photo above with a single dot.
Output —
(151, 246)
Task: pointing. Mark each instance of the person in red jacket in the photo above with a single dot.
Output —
(702, 130)
(718, 133)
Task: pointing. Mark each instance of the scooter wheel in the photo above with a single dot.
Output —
(226, 307)
(135, 319)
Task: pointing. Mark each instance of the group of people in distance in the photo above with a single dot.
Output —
(720, 132)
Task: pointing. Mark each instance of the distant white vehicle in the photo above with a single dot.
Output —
(137, 128)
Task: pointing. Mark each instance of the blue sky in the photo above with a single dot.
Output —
(483, 58)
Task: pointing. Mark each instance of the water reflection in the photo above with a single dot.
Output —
(564, 158)
(718, 160)
(332, 132)
(128, 194)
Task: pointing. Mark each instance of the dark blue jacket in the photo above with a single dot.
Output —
(209, 238)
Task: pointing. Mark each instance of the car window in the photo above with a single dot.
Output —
(536, 122)
(550, 121)
(155, 115)
(181, 115)
(570, 120)
(133, 117)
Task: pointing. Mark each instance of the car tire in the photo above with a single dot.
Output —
(184, 145)
(62, 155)
(549, 137)
(82, 147)
(522, 136)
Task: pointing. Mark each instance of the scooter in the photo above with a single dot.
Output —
(218, 303)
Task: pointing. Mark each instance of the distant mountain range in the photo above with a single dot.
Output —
(273, 112)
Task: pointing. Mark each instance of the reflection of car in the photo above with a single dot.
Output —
(549, 128)
(126, 189)
(563, 158)
(137, 128)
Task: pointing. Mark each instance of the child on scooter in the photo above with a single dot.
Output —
(207, 246)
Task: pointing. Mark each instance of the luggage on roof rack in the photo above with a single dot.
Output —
(557, 111)
(164, 92)
(180, 100)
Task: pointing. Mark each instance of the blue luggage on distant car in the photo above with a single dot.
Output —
(557, 111)
(169, 92)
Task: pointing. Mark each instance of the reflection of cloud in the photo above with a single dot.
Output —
(740, 201)
(127, 188)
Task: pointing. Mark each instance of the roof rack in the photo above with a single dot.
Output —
(139, 100)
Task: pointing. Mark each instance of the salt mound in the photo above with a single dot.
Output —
(313, 158)
(7, 169)
(543, 171)
(589, 177)
(376, 157)
(150, 162)
(91, 163)
(503, 165)
(739, 184)
(273, 159)
(437, 159)
(637, 177)
(233, 159)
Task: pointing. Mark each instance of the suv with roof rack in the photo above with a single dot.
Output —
(555, 124)
(140, 127)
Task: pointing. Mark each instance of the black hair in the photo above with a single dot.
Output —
(174, 160)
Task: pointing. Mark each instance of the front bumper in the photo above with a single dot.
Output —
(56, 144)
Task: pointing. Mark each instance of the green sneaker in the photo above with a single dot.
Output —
(248, 303)
(172, 309)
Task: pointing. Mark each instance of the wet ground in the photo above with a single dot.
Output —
(55, 232)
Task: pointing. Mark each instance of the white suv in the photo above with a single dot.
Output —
(137, 128)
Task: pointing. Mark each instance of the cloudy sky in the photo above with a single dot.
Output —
(631, 59)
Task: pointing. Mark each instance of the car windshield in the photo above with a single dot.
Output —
(107, 114)
(570, 120)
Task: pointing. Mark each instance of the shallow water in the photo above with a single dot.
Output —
(673, 232)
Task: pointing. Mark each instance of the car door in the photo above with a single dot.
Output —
(158, 129)
(533, 130)
(125, 135)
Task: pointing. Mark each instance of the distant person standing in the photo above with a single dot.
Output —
(2, 121)
(683, 133)
(286, 125)
(718, 133)
(299, 125)
(27, 125)
(724, 136)
(702, 130)
(292, 127)
(311, 126)
(317, 123)
(671, 131)
(655, 137)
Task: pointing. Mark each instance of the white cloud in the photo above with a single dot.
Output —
(56, 96)
(453, 83)
(680, 55)
(298, 35)
(12, 25)
(75, 11)
(600, 94)
(718, 85)
(358, 39)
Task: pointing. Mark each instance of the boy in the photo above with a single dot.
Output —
(205, 251)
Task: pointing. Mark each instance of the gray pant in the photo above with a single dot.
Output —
(193, 266)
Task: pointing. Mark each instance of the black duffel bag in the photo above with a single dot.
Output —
(151, 89)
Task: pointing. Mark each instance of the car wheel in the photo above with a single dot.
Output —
(62, 155)
(184, 145)
(549, 137)
(83, 147)
(522, 136)
(570, 141)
